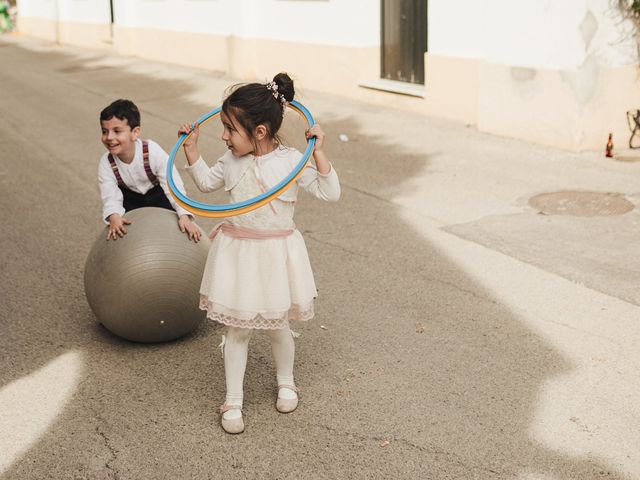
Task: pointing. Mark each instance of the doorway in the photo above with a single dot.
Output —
(404, 40)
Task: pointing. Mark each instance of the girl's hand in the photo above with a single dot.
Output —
(317, 132)
(116, 226)
(322, 162)
(191, 140)
(188, 227)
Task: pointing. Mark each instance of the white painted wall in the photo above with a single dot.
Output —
(37, 9)
(351, 23)
(198, 16)
(84, 11)
(354, 23)
(550, 34)
(457, 29)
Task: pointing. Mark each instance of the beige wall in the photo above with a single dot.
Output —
(330, 69)
(574, 110)
(452, 88)
(189, 49)
(73, 33)
(85, 35)
(38, 27)
(319, 67)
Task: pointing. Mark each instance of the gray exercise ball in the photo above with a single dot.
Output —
(145, 287)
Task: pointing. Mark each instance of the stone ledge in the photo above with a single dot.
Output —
(403, 88)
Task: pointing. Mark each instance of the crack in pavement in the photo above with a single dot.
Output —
(112, 451)
(486, 299)
(113, 472)
(335, 245)
(454, 458)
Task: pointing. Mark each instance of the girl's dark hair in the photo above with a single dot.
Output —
(122, 110)
(254, 104)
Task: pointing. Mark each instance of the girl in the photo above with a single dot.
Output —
(257, 275)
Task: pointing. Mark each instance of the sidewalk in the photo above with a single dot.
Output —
(464, 334)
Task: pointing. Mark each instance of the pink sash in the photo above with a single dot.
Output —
(246, 233)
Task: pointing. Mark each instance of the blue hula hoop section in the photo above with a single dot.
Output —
(239, 205)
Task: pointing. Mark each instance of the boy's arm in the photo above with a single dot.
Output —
(112, 200)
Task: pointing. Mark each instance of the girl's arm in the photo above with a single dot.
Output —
(190, 144)
(320, 181)
(206, 179)
(322, 162)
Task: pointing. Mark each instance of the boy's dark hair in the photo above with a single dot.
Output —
(254, 104)
(122, 110)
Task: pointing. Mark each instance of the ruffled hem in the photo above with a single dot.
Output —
(258, 320)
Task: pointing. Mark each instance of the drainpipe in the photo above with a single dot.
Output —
(112, 20)
(57, 20)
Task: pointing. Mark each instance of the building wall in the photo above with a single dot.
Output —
(321, 22)
(77, 22)
(557, 73)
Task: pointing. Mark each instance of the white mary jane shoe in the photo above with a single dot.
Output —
(233, 425)
(287, 405)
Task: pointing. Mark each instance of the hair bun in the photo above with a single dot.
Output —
(285, 86)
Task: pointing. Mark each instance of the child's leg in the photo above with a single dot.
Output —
(284, 350)
(236, 348)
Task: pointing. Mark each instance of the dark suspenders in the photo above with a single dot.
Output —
(147, 167)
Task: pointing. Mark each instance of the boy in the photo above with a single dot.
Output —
(132, 174)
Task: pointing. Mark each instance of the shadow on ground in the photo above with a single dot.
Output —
(455, 401)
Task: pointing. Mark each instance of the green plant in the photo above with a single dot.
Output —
(630, 9)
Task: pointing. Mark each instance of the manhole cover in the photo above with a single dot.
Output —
(581, 204)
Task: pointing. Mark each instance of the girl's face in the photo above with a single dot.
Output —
(119, 138)
(236, 137)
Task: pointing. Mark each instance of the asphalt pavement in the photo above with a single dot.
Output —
(460, 333)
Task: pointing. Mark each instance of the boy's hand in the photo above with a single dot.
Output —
(188, 227)
(191, 140)
(317, 132)
(116, 226)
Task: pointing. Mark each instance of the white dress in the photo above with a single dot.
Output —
(262, 283)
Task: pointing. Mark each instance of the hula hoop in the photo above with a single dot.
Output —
(232, 209)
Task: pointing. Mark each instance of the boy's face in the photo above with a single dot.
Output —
(236, 137)
(118, 137)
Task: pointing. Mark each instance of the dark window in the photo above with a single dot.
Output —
(404, 40)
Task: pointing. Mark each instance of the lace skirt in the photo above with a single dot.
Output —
(258, 284)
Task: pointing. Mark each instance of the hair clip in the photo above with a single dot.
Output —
(273, 88)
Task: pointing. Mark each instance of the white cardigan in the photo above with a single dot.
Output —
(273, 168)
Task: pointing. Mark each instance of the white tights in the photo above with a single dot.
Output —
(235, 347)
